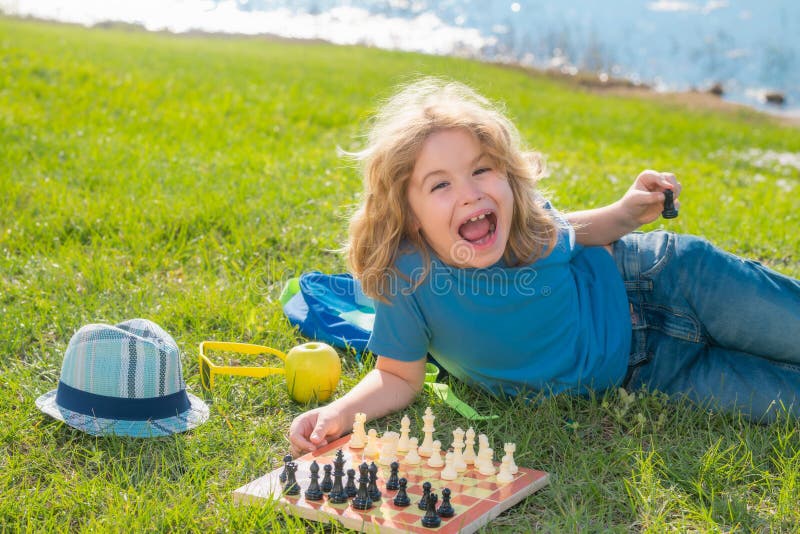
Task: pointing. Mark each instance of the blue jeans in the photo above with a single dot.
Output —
(722, 330)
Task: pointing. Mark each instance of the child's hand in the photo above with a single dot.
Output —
(644, 201)
(314, 429)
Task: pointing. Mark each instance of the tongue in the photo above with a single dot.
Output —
(474, 230)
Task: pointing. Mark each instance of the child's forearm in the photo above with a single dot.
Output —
(377, 394)
(601, 226)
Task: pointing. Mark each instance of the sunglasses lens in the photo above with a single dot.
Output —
(205, 375)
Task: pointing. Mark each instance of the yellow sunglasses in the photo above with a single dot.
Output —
(209, 369)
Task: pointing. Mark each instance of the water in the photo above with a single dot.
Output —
(750, 47)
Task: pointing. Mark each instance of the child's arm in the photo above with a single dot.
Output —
(641, 204)
(391, 386)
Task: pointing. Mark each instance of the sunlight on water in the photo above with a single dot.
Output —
(750, 49)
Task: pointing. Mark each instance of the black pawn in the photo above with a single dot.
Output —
(327, 482)
(291, 487)
(392, 483)
(401, 499)
(286, 460)
(669, 205)
(431, 519)
(313, 492)
(446, 509)
(350, 487)
(426, 491)
(374, 492)
(362, 501)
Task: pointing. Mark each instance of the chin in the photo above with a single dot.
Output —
(482, 263)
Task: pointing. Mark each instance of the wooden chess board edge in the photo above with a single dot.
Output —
(504, 505)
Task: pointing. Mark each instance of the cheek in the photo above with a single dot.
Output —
(414, 208)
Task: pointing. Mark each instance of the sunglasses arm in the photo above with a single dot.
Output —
(255, 372)
(241, 348)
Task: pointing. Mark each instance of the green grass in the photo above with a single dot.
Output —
(184, 179)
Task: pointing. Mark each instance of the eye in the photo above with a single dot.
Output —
(482, 170)
(440, 185)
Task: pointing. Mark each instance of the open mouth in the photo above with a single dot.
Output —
(479, 229)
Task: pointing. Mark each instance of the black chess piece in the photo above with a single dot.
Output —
(426, 491)
(314, 492)
(339, 460)
(669, 205)
(327, 481)
(446, 509)
(338, 495)
(431, 519)
(286, 460)
(362, 501)
(374, 492)
(291, 487)
(392, 483)
(402, 499)
(350, 487)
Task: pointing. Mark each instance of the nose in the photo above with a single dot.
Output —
(470, 192)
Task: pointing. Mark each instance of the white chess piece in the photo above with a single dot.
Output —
(388, 448)
(449, 472)
(405, 427)
(427, 442)
(505, 476)
(469, 452)
(483, 443)
(509, 449)
(371, 450)
(412, 458)
(436, 455)
(358, 439)
(486, 466)
(458, 446)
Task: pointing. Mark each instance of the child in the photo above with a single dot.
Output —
(467, 262)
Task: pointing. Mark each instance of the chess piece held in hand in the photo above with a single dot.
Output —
(669, 205)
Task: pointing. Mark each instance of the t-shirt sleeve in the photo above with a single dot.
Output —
(400, 331)
(566, 233)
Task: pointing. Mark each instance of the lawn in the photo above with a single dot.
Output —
(185, 178)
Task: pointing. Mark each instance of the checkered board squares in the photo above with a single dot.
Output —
(477, 499)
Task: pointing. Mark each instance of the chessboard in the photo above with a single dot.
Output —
(476, 498)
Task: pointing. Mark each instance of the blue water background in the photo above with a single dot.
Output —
(750, 47)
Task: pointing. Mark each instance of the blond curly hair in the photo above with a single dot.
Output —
(382, 220)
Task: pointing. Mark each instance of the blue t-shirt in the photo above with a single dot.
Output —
(559, 324)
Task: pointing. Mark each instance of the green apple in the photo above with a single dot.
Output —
(312, 372)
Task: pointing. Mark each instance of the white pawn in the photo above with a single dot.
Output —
(469, 452)
(485, 464)
(405, 427)
(458, 446)
(436, 455)
(510, 448)
(358, 439)
(412, 458)
(449, 472)
(505, 476)
(371, 450)
(428, 429)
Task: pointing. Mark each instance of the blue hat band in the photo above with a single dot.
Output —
(129, 409)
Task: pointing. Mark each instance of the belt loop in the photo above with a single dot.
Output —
(632, 257)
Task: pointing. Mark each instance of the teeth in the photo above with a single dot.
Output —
(478, 218)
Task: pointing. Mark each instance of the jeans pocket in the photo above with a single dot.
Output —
(655, 250)
(673, 322)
